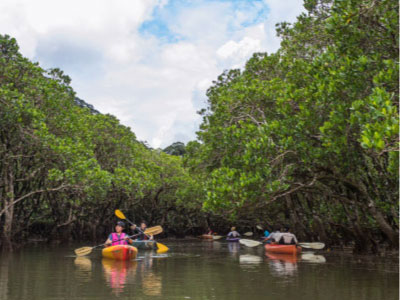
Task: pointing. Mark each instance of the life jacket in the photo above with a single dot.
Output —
(115, 237)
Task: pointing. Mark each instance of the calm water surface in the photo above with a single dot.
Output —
(196, 270)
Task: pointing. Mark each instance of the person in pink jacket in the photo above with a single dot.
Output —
(118, 237)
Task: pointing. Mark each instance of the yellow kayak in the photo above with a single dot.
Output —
(120, 252)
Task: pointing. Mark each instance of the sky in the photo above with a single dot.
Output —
(147, 62)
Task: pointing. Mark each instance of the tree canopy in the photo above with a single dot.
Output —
(307, 136)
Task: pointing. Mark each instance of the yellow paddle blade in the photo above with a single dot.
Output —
(161, 248)
(120, 214)
(83, 251)
(154, 230)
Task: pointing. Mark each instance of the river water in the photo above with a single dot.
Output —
(196, 270)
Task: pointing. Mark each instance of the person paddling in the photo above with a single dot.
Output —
(274, 236)
(233, 233)
(118, 237)
(287, 238)
(266, 233)
(140, 230)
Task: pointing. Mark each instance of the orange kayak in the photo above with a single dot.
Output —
(284, 249)
(120, 252)
(206, 236)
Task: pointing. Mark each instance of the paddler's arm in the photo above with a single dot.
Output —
(129, 240)
(108, 241)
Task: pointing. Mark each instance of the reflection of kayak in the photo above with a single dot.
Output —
(206, 236)
(117, 272)
(120, 252)
(145, 245)
(111, 265)
(232, 239)
(284, 249)
(289, 258)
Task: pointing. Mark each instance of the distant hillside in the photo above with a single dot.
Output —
(82, 103)
(177, 149)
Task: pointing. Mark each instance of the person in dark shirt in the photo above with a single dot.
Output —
(141, 236)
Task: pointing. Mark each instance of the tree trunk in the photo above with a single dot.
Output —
(8, 207)
(392, 235)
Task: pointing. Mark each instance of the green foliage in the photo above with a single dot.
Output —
(73, 166)
(316, 120)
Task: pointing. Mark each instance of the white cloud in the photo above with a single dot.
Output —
(152, 86)
(237, 52)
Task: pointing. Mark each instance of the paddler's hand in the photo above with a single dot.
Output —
(133, 227)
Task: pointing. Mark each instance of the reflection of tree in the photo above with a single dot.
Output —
(4, 267)
(283, 264)
(152, 284)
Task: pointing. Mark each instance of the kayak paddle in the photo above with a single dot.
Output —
(217, 237)
(87, 250)
(316, 246)
(153, 230)
(248, 233)
(161, 248)
(249, 243)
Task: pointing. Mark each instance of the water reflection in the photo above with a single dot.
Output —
(83, 268)
(210, 244)
(4, 271)
(116, 273)
(151, 282)
(249, 260)
(234, 248)
(283, 264)
(191, 270)
(313, 258)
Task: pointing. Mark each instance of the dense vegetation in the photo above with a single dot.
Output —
(307, 136)
(65, 167)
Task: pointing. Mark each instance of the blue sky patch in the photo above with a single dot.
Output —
(162, 19)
